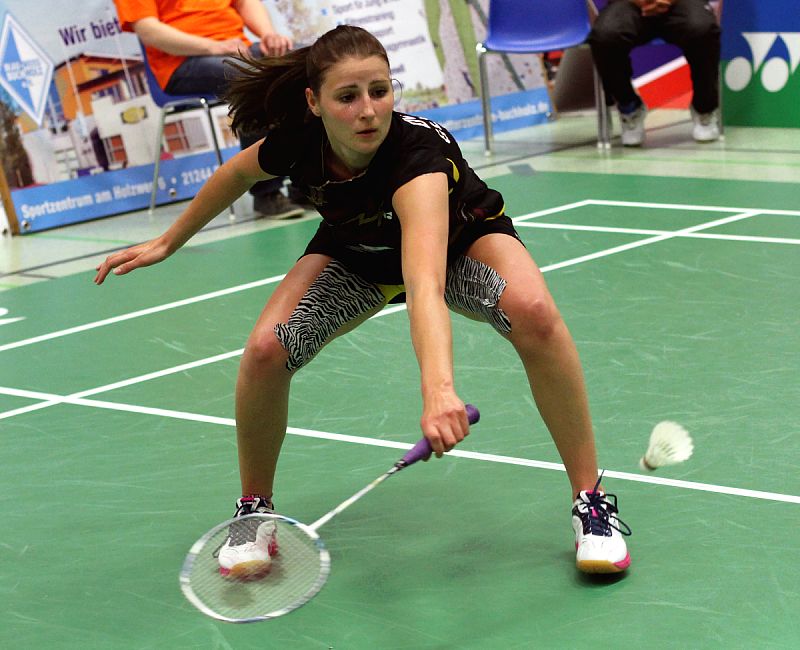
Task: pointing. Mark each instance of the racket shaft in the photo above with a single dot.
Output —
(349, 502)
(420, 451)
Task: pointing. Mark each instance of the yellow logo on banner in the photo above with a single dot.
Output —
(134, 114)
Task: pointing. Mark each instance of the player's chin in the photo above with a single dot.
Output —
(367, 145)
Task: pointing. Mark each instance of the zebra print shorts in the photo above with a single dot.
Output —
(339, 296)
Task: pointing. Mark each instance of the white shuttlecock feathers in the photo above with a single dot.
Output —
(669, 444)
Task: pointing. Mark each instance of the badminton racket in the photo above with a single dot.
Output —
(297, 571)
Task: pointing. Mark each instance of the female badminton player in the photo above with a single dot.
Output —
(403, 217)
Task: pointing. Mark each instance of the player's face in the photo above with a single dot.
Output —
(355, 103)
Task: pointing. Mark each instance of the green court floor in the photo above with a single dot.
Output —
(118, 449)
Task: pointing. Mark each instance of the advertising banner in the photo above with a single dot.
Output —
(761, 55)
(78, 127)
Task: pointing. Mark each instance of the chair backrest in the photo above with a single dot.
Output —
(529, 21)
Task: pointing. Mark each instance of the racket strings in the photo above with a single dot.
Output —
(295, 575)
(245, 531)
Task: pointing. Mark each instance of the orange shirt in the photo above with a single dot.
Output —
(215, 19)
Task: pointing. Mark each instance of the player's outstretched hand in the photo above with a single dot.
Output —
(123, 262)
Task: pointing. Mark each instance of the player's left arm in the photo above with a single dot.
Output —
(422, 207)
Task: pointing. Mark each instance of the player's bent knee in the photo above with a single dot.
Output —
(538, 318)
(264, 351)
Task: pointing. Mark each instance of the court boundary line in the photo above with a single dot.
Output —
(377, 442)
(641, 231)
(142, 312)
(79, 398)
(156, 374)
(689, 206)
(517, 220)
(390, 310)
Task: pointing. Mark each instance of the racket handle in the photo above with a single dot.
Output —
(422, 449)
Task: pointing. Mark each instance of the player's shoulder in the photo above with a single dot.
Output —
(416, 129)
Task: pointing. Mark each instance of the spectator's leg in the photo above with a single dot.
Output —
(209, 75)
(618, 29)
(198, 75)
(692, 26)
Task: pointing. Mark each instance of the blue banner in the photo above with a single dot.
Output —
(512, 111)
(112, 192)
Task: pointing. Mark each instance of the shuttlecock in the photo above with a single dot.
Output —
(669, 444)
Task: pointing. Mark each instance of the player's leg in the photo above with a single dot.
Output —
(530, 319)
(548, 354)
(318, 300)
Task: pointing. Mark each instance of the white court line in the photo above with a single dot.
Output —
(135, 380)
(109, 387)
(243, 287)
(376, 442)
(141, 312)
(385, 312)
(641, 231)
(79, 399)
(558, 208)
(650, 240)
(683, 206)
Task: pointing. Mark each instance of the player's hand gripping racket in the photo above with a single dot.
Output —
(297, 571)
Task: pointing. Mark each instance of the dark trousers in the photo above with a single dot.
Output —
(689, 24)
(206, 75)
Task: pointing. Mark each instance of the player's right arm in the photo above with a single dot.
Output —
(224, 186)
(153, 33)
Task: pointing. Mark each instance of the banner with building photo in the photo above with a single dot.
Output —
(78, 127)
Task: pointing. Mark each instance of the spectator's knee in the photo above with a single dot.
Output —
(699, 32)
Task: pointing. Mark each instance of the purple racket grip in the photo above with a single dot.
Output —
(422, 449)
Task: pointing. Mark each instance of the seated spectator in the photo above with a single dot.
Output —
(187, 43)
(689, 24)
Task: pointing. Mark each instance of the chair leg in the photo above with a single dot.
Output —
(486, 100)
(549, 86)
(217, 149)
(720, 121)
(157, 163)
(603, 114)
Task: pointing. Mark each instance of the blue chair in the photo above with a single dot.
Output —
(528, 27)
(171, 104)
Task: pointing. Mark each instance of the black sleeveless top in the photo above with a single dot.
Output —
(360, 227)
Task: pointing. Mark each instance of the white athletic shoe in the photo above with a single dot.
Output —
(633, 126)
(706, 126)
(599, 533)
(252, 542)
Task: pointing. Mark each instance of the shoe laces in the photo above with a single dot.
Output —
(252, 504)
(597, 515)
(246, 531)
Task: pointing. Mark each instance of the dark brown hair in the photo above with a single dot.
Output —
(269, 92)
